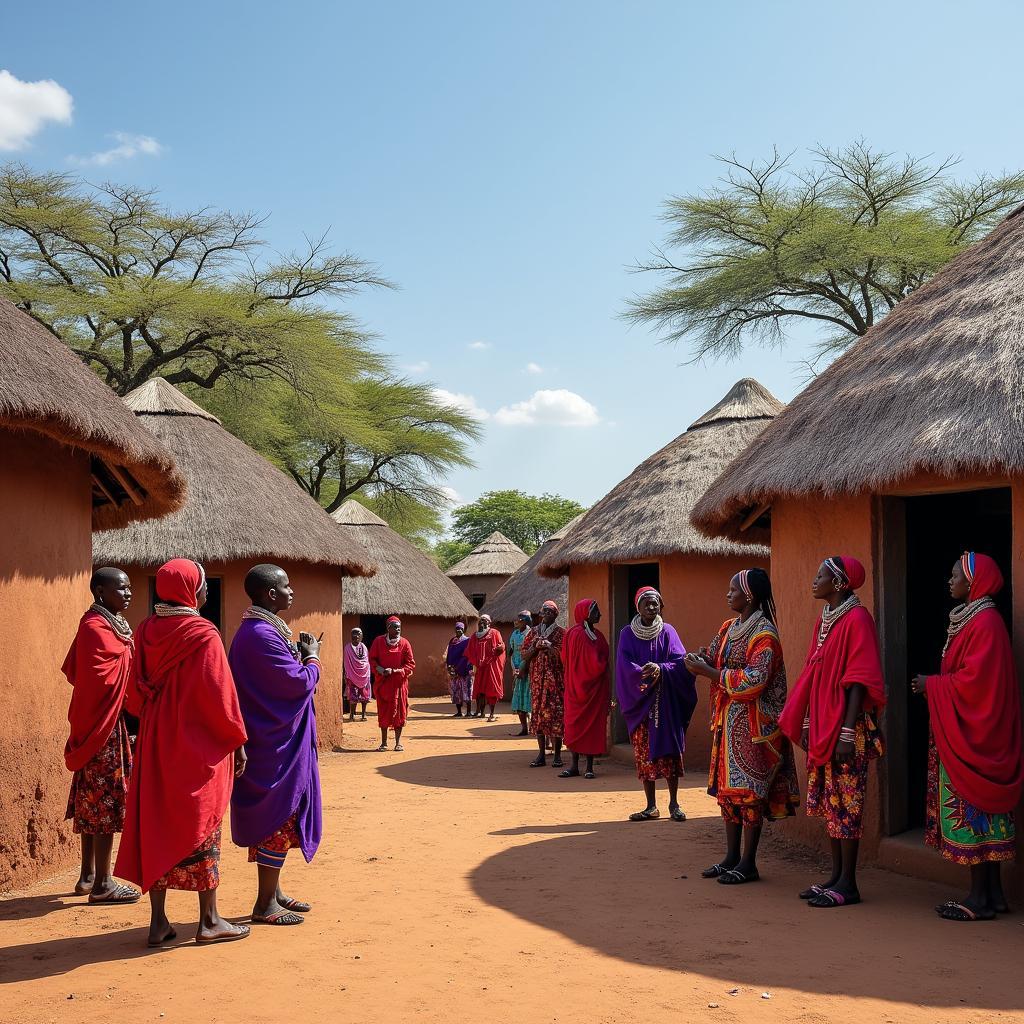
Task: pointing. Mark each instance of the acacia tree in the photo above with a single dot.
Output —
(525, 519)
(137, 290)
(839, 244)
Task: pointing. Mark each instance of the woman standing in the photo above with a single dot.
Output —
(752, 772)
(521, 679)
(975, 773)
(657, 696)
(460, 671)
(586, 688)
(486, 653)
(356, 670)
(392, 663)
(831, 714)
(542, 658)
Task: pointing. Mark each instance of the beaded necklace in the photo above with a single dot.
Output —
(830, 616)
(740, 631)
(544, 630)
(255, 612)
(167, 611)
(651, 632)
(118, 622)
(962, 614)
(395, 642)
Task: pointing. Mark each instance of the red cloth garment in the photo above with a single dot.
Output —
(487, 655)
(849, 656)
(97, 666)
(189, 726)
(974, 705)
(392, 692)
(585, 665)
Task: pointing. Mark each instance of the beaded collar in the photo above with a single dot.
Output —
(651, 632)
(393, 643)
(830, 616)
(117, 622)
(741, 631)
(544, 631)
(962, 614)
(255, 612)
(167, 611)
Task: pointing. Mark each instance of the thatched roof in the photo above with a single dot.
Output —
(647, 515)
(496, 556)
(408, 582)
(526, 589)
(45, 388)
(934, 387)
(239, 505)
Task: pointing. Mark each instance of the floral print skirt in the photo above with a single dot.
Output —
(668, 767)
(96, 802)
(199, 871)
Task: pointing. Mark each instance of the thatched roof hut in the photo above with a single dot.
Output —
(647, 515)
(934, 388)
(410, 582)
(239, 505)
(496, 556)
(45, 388)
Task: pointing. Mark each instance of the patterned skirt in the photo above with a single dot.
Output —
(359, 694)
(547, 701)
(461, 689)
(521, 695)
(199, 871)
(273, 850)
(98, 789)
(960, 831)
(667, 767)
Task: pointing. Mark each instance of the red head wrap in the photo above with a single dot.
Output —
(643, 592)
(983, 574)
(180, 581)
(551, 605)
(581, 612)
(393, 619)
(847, 570)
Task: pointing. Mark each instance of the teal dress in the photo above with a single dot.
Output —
(521, 692)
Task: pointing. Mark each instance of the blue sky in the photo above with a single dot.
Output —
(505, 163)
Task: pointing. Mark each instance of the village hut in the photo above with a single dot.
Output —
(412, 587)
(72, 458)
(240, 511)
(906, 451)
(487, 567)
(640, 534)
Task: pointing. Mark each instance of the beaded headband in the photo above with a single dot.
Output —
(837, 570)
(967, 564)
(743, 577)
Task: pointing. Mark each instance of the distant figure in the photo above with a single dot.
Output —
(752, 773)
(188, 752)
(587, 699)
(831, 712)
(542, 658)
(486, 653)
(657, 696)
(460, 671)
(98, 666)
(974, 758)
(392, 662)
(356, 671)
(275, 805)
(520, 677)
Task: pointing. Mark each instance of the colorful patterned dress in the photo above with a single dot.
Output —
(521, 690)
(547, 686)
(96, 803)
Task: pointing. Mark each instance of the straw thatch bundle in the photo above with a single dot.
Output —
(44, 387)
(496, 556)
(935, 387)
(647, 515)
(408, 582)
(239, 505)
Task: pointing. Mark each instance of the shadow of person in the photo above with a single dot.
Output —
(22, 908)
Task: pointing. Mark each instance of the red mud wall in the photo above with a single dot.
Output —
(429, 639)
(45, 563)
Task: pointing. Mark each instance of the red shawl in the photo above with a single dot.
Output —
(974, 705)
(190, 724)
(487, 655)
(97, 666)
(849, 656)
(587, 695)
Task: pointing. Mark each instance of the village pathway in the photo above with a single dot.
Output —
(455, 885)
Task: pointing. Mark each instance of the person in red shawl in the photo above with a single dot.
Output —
(189, 750)
(542, 659)
(587, 697)
(486, 653)
(98, 666)
(392, 664)
(831, 713)
(975, 771)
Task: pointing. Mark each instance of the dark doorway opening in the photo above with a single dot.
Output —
(921, 539)
(372, 626)
(626, 581)
(479, 600)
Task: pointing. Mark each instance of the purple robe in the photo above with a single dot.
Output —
(668, 705)
(282, 775)
(456, 659)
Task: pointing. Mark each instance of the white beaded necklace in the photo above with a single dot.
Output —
(167, 611)
(830, 616)
(962, 614)
(117, 621)
(255, 612)
(740, 630)
(651, 632)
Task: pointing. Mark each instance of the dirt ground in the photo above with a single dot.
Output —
(455, 884)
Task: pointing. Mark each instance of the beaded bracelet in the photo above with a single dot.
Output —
(847, 735)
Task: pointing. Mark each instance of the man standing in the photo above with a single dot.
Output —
(486, 652)
(97, 751)
(393, 663)
(275, 805)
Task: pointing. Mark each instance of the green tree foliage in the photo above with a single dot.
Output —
(138, 290)
(523, 518)
(839, 243)
(447, 552)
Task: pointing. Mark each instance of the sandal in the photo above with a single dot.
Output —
(557, 763)
(589, 775)
(953, 911)
(282, 917)
(829, 898)
(815, 890)
(299, 906)
(714, 871)
(242, 933)
(734, 877)
(399, 748)
(569, 774)
(119, 894)
(383, 747)
(677, 813)
(648, 814)
(538, 763)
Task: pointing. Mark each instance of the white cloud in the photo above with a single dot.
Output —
(556, 408)
(128, 146)
(479, 346)
(534, 368)
(26, 106)
(466, 403)
(417, 368)
(452, 495)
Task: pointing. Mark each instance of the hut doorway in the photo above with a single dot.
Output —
(626, 581)
(920, 539)
(372, 626)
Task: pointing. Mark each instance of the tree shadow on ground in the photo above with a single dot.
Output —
(634, 892)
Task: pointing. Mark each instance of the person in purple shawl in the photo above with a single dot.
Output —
(460, 671)
(656, 694)
(275, 804)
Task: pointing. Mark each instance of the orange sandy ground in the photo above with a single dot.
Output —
(455, 884)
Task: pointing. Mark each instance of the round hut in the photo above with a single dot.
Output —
(409, 585)
(72, 458)
(904, 452)
(639, 534)
(487, 567)
(240, 511)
